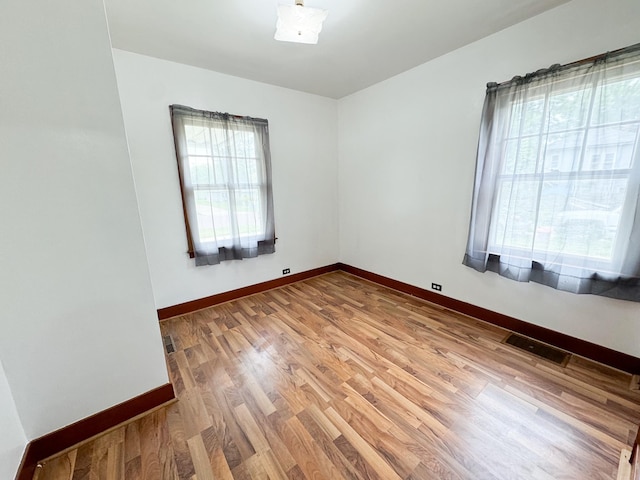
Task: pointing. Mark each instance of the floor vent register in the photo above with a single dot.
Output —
(540, 349)
(168, 344)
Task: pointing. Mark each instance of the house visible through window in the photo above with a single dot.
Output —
(558, 177)
(572, 206)
(225, 174)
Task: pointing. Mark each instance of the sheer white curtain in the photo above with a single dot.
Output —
(225, 173)
(557, 178)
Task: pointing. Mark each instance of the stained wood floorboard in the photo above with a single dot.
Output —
(338, 378)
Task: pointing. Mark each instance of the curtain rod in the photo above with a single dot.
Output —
(566, 66)
(208, 114)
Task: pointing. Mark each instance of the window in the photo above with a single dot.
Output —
(558, 177)
(225, 177)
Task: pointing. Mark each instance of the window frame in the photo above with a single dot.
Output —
(189, 189)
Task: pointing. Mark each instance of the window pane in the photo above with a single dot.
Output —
(221, 170)
(249, 211)
(617, 142)
(617, 101)
(521, 155)
(244, 143)
(526, 117)
(212, 207)
(582, 217)
(563, 152)
(201, 173)
(209, 171)
(247, 171)
(568, 110)
(198, 141)
(609, 159)
(516, 214)
(574, 218)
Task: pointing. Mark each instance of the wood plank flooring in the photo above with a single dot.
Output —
(338, 378)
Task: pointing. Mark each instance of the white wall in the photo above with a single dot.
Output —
(79, 330)
(303, 136)
(12, 439)
(407, 158)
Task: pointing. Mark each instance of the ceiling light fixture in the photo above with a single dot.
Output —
(300, 24)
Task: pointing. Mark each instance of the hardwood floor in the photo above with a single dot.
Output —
(338, 378)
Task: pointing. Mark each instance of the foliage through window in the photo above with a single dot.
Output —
(225, 174)
(557, 178)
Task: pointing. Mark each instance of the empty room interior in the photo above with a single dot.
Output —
(400, 243)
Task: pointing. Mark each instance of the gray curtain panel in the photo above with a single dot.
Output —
(224, 165)
(556, 191)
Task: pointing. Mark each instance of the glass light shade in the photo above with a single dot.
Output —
(299, 24)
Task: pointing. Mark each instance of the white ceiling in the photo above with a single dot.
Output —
(362, 42)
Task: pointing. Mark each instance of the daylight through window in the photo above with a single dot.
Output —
(224, 165)
(557, 178)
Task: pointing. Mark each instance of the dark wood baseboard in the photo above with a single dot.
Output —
(604, 355)
(598, 353)
(199, 304)
(61, 439)
(77, 432)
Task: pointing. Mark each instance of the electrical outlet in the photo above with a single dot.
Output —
(286, 271)
(436, 286)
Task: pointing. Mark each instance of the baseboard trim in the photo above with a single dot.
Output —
(27, 467)
(199, 304)
(592, 351)
(598, 353)
(61, 439)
